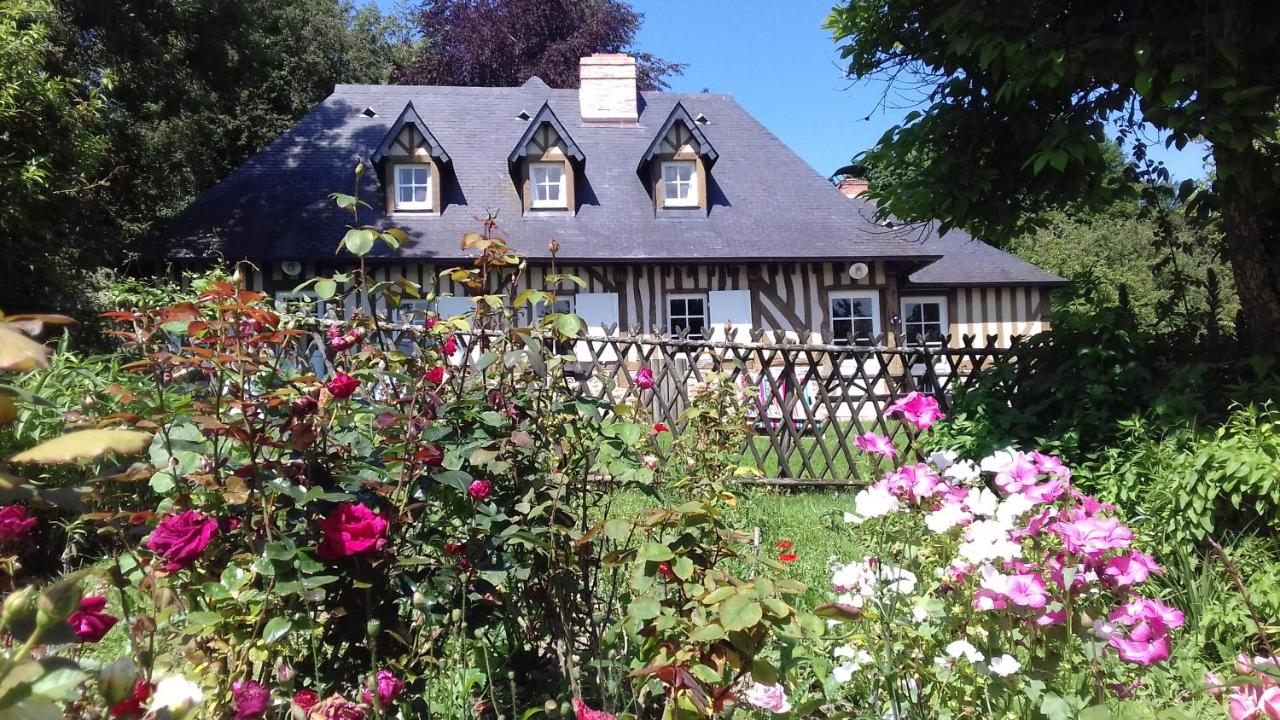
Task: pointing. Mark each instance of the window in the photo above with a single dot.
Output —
(563, 305)
(687, 312)
(547, 183)
(855, 314)
(924, 320)
(413, 187)
(679, 184)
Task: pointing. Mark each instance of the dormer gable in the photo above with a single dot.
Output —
(546, 164)
(677, 164)
(412, 165)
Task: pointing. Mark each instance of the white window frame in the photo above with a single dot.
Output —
(943, 320)
(691, 200)
(409, 306)
(411, 205)
(706, 320)
(539, 203)
(872, 295)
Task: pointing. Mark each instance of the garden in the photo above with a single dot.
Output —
(196, 525)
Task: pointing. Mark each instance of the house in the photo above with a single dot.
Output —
(681, 212)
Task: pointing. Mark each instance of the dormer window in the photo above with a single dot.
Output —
(412, 165)
(546, 164)
(547, 186)
(677, 165)
(413, 186)
(680, 183)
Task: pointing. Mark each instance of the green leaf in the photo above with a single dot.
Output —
(683, 568)
(739, 612)
(645, 608)
(707, 633)
(1095, 712)
(279, 551)
(276, 628)
(326, 288)
(59, 683)
(655, 552)
(1056, 707)
(359, 241)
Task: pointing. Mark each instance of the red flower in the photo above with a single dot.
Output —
(660, 428)
(181, 538)
(480, 490)
(664, 569)
(586, 713)
(388, 687)
(304, 405)
(132, 707)
(450, 345)
(431, 321)
(89, 623)
(788, 557)
(785, 545)
(250, 699)
(336, 707)
(342, 386)
(430, 455)
(644, 378)
(435, 375)
(15, 522)
(553, 246)
(306, 699)
(351, 529)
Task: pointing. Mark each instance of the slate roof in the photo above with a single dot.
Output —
(766, 203)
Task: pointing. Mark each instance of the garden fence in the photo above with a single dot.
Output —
(804, 402)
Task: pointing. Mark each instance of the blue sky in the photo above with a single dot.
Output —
(775, 58)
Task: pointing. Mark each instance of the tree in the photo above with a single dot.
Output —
(495, 43)
(1018, 97)
(50, 158)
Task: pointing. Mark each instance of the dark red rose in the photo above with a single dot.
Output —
(89, 623)
(351, 529)
(435, 375)
(430, 455)
(181, 538)
(479, 490)
(660, 428)
(306, 699)
(450, 345)
(134, 706)
(250, 698)
(15, 522)
(342, 386)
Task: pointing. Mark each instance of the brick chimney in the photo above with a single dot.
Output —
(607, 89)
(853, 187)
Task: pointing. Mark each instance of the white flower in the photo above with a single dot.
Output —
(874, 501)
(998, 460)
(1004, 666)
(987, 540)
(942, 459)
(1012, 508)
(946, 517)
(176, 694)
(897, 580)
(919, 614)
(962, 472)
(857, 658)
(957, 649)
(981, 501)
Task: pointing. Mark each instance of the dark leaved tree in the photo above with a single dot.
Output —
(496, 43)
(1018, 97)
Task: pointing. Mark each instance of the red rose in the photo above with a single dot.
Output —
(664, 569)
(250, 698)
(388, 687)
(15, 522)
(89, 623)
(133, 706)
(644, 378)
(431, 321)
(480, 490)
(450, 345)
(351, 529)
(435, 375)
(660, 428)
(342, 386)
(181, 538)
(430, 455)
(306, 699)
(788, 557)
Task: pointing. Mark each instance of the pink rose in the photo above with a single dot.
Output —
(250, 699)
(584, 712)
(767, 697)
(15, 522)
(335, 707)
(351, 529)
(479, 490)
(388, 687)
(919, 409)
(431, 321)
(450, 345)
(644, 378)
(342, 385)
(874, 444)
(89, 623)
(182, 538)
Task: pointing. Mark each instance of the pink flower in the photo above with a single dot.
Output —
(351, 529)
(586, 713)
(916, 482)
(767, 697)
(1022, 589)
(89, 623)
(181, 538)
(342, 385)
(1018, 474)
(388, 687)
(1046, 492)
(1093, 535)
(1051, 465)
(430, 321)
(15, 522)
(1145, 609)
(874, 444)
(335, 707)
(1131, 569)
(1027, 591)
(1051, 617)
(644, 378)
(1269, 703)
(1147, 643)
(451, 345)
(250, 699)
(479, 490)
(1213, 683)
(1242, 706)
(920, 410)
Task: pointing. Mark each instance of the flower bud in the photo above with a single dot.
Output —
(116, 680)
(373, 629)
(285, 673)
(57, 602)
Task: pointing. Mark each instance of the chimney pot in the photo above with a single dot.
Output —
(853, 187)
(607, 89)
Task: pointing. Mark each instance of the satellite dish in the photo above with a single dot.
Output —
(291, 267)
(858, 271)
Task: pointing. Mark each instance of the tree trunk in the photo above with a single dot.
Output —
(1243, 185)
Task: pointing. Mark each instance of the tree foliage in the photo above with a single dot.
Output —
(495, 43)
(1019, 97)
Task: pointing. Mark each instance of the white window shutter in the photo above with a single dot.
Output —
(597, 310)
(732, 306)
